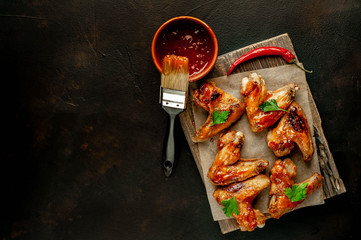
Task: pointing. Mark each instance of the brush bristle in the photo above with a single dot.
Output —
(175, 73)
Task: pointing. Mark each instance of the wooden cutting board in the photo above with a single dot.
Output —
(332, 183)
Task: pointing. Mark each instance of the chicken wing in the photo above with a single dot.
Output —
(211, 98)
(228, 167)
(282, 175)
(293, 128)
(244, 192)
(254, 93)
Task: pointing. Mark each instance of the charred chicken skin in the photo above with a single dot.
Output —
(292, 128)
(244, 193)
(282, 175)
(228, 167)
(254, 93)
(211, 98)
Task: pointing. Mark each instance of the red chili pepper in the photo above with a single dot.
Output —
(266, 51)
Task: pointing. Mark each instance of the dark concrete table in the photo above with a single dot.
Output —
(83, 131)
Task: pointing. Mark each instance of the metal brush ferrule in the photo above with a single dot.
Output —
(172, 98)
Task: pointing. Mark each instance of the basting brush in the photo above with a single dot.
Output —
(173, 98)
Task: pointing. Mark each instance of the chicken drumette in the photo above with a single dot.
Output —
(292, 128)
(228, 167)
(282, 175)
(211, 98)
(244, 193)
(254, 93)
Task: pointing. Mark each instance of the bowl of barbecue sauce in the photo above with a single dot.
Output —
(188, 37)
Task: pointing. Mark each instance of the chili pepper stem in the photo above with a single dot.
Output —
(294, 62)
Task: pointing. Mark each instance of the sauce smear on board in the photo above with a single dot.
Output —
(189, 40)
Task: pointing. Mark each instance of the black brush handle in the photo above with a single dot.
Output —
(169, 153)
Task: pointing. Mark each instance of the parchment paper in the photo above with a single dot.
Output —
(255, 145)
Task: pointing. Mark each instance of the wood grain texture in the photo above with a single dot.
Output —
(332, 183)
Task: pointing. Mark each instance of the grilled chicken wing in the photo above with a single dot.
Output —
(211, 98)
(228, 167)
(244, 192)
(254, 93)
(293, 128)
(282, 175)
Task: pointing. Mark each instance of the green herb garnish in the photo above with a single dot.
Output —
(219, 117)
(270, 105)
(230, 206)
(297, 193)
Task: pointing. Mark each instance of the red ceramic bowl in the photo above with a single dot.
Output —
(190, 37)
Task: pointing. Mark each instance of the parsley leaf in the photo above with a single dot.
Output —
(230, 206)
(219, 117)
(297, 193)
(270, 105)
